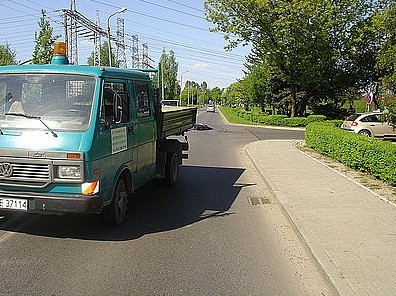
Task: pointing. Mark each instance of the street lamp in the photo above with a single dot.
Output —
(188, 93)
(121, 10)
(181, 83)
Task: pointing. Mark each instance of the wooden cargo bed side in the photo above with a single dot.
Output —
(176, 120)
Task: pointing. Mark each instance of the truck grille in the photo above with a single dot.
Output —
(25, 174)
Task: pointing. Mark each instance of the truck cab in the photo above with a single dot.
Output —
(80, 139)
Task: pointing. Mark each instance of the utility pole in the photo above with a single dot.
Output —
(121, 10)
(97, 42)
(145, 58)
(77, 25)
(121, 57)
(135, 51)
(181, 85)
(162, 81)
(70, 23)
(188, 93)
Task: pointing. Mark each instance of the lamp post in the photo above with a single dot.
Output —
(181, 84)
(121, 10)
(188, 93)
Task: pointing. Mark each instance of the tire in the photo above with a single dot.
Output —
(171, 169)
(115, 213)
(365, 133)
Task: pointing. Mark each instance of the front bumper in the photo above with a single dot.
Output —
(57, 204)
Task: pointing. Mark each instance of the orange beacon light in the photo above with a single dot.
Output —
(59, 55)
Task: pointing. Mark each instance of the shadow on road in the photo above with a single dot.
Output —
(202, 193)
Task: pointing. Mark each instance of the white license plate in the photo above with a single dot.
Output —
(14, 203)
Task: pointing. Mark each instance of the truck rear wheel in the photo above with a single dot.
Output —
(115, 213)
(172, 169)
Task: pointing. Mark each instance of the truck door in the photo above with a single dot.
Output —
(119, 132)
(147, 129)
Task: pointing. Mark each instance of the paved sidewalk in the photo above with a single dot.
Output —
(350, 230)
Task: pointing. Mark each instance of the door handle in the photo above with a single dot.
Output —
(131, 129)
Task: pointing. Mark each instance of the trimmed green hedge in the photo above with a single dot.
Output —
(374, 156)
(278, 120)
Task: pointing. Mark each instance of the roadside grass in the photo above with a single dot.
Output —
(233, 117)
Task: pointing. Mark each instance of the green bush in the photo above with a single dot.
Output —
(256, 116)
(316, 118)
(283, 120)
(374, 156)
(271, 119)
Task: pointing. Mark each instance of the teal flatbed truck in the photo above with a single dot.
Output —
(82, 139)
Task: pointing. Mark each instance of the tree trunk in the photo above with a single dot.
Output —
(375, 96)
(293, 110)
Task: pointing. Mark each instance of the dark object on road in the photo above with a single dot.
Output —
(201, 127)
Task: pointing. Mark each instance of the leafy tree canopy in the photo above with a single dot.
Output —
(386, 24)
(310, 48)
(169, 68)
(7, 55)
(44, 40)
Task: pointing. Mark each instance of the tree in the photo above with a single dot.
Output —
(44, 40)
(169, 68)
(191, 93)
(234, 95)
(7, 55)
(104, 56)
(215, 95)
(257, 85)
(306, 45)
(386, 62)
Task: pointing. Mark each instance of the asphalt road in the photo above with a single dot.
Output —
(203, 237)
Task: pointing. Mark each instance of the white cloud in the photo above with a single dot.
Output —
(202, 66)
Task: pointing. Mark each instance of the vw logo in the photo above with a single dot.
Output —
(6, 170)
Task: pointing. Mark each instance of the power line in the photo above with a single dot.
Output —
(221, 65)
(172, 9)
(22, 5)
(197, 49)
(156, 17)
(184, 5)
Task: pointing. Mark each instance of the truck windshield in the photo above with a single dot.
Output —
(62, 101)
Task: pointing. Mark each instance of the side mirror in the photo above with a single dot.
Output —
(121, 108)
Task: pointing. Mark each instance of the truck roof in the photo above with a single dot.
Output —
(100, 71)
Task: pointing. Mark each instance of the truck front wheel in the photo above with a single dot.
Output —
(171, 169)
(115, 213)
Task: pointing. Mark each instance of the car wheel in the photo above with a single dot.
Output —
(115, 213)
(365, 133)
(172, 169)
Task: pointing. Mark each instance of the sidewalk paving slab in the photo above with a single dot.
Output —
(349, 229)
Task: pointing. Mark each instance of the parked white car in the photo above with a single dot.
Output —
(371, 124)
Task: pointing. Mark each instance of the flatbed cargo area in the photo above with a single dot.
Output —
(176, 120)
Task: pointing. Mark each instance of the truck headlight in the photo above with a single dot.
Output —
(69, 172)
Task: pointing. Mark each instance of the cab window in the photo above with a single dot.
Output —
(115, 103)
(142, 99)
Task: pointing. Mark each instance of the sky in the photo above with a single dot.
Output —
(177, 25)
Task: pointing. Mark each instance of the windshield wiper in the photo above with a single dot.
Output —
(34, 117)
